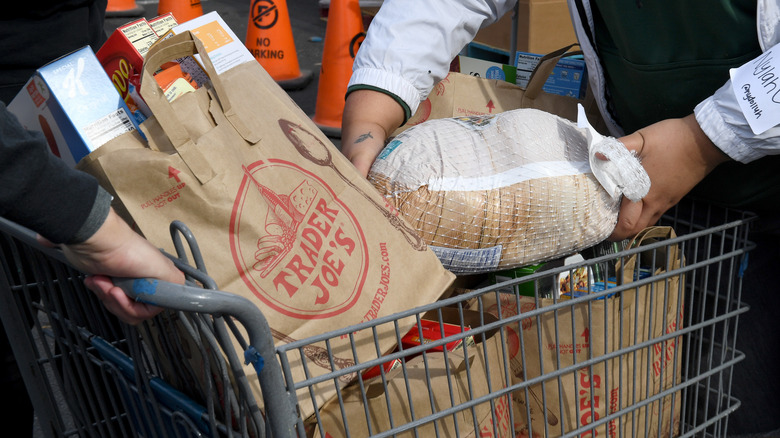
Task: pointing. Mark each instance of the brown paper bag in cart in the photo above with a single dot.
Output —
(658, 309)
(462, 95)
(535, 339)
(281, 217)
(592, 329)
(448, 382)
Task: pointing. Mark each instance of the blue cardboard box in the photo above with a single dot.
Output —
(569, 76)
(74, 103)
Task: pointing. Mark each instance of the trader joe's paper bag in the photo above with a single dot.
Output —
(462, 95)
(281, 217)
(587, 330)
(427, 386)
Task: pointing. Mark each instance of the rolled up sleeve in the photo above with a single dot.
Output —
(721, 118)
(410, 44)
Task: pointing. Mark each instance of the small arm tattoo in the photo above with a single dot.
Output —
(364, 137)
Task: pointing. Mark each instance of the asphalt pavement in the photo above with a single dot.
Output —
(308, 27)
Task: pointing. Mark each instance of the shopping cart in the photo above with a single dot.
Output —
(90, 375)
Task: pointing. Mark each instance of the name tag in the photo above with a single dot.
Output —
(757, 87)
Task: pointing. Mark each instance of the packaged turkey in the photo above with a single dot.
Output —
(507, 190)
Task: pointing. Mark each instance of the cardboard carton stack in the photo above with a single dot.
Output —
(543, 26)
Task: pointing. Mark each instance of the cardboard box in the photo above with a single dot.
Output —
(484, 69)
(224, 47)
(432, 330)
(73, 102)
(543, 26)
(163, 23)
(569, 77)
(34, 114)
(131, 40)
(368, 9)
(122, 57)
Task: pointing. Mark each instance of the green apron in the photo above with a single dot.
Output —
(661, 59)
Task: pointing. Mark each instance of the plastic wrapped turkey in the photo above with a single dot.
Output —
(506, 190)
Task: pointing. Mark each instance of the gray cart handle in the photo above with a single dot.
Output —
(280, 404)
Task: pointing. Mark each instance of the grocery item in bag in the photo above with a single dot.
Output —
(287, 221)
(608, 332)
(427, 385)
(505, 190)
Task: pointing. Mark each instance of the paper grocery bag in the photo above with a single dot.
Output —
(657, 308)
(462, 95)
(281, 217)
(437, 383)
(541, 345)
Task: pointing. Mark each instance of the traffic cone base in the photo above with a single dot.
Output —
(330, 130)
(123, 8)
(330, 126)
(296, 83)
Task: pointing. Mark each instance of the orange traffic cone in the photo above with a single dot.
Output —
(343, 35)
(123, 8)
(182, 10)
(270, 39)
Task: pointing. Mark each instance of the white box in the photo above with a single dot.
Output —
(487, 69)
(225, 49)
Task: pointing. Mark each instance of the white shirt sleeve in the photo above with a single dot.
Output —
(410, 43)
(721, 118)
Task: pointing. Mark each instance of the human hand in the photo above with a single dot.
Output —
(115, 250)
(676, 155)
(369, 118)
(117, 302)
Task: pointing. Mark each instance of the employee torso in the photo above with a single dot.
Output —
(662, 57)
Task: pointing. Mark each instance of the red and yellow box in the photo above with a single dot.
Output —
(122, 57)
(426, 332)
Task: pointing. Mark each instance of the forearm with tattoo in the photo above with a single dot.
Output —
(364, 137)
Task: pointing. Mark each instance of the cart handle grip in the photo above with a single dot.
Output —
(261, 345)
(281, 411)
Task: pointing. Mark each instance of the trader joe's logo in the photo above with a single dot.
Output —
(295, 244)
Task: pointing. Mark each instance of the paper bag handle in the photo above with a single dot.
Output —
(175, 47)
(543, 70)
(655, 232)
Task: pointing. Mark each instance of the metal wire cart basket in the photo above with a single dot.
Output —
(643, 345)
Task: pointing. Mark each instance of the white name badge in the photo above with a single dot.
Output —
(757, 87)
